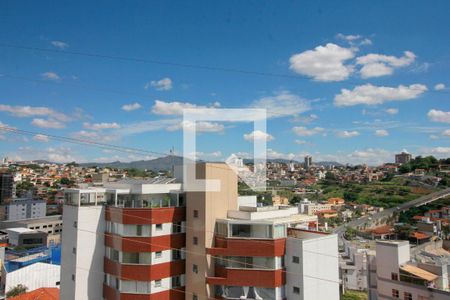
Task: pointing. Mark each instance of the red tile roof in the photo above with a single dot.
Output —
(419, 235)
(39, 294)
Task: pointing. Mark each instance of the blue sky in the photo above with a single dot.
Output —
(352, 81)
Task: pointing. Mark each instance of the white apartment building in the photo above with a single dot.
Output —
(394, 276)
(24, 208)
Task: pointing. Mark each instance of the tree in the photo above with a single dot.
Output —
(22, 188)
(16, 291)
(350, 233)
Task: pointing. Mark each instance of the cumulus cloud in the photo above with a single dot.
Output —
(439, 116)
(172, 108)
(282, 104)
(207, 155)
(303, 131)
(347, 134)
(439, 152)
(376, 65)
(131, 106)
(31, 111)
(304, 119)
(354, 39)
(258, 135)
(381, 132)
(59, 44)
(101, 126)
(164, 84)
(371, 95)
(324, 63)
(41, 138)
(51, 76)
(439, 87)
(446, 133)
(201, 126)
(392, 111)
(47, 123)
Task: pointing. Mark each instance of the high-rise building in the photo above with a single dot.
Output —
(308, 161)
(6, 187)
(403, 158)
(153, 240)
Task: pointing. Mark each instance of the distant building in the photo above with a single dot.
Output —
(6, 187)
(403, 158)
(34, 276)
(24, 237)
(308, 161)
(23, 208)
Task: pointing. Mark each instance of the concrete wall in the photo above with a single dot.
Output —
(210, 206)
(34, 276)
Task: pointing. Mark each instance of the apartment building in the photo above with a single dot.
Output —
(23, 208)
(393, 275)
(153, 240)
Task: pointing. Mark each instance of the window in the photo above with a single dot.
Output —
(296, 290)
(176, 281)
(159, 227)
(58, 283)
(73, 277)
(176, 227)
(195, 269)
(139, 230)
(395, 293)
(407, 296)
(195, 213)
(74, 250)
(195, 240)
(295, 259)
(158, 283)
(75, 224)
(394, 276)
(194, 297)
(176, 254)
(158, 254)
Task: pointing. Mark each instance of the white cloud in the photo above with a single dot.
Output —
(172, 108)
(100, 126)
(347, 134)
(304, 119)
(439, 152)
(59, 44)
(207, 155)
(381, 132)
(258, 135)
(354, 39)
(439, 116)
(376, 65)
(303, 131)
(369, 156)
(47, 123)
(371, 95)
(41, 138)
(164, 84)
(131, 106)
(31, 111)
(201, 126)
(392, 111)
(324, 63)
(439, 87)
(51, 76)
(273, 154)
(282, 104)
(446, 133)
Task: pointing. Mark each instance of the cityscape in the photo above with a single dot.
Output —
(169, 150)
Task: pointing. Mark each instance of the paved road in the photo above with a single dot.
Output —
(387, 212)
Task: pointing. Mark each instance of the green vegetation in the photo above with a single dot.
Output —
(419, 162)
(23, 187)
(16, 291)
(379, 193)
(407, 216)
(133, 172)
(354, 295)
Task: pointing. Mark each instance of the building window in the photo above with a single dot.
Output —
(394, 276)
(195, 240)
(176, 281)
(195, 213)
(195, 269)
(176, 254)
(295, 259)
(74, 250)
(158, 283)
(296, 290)
(194, 297)
(407, 296)
(75, 224)
(395, 293)
(139, 230)
(158, 254)
(58, 283)
(158, 227)
(73, 277)
(176, 227)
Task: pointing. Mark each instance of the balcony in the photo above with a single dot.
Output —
(247, 247)
(145, 215)
(248, 277)
(110, 293)
(145, 244)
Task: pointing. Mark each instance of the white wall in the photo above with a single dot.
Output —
(34, 276)
(87, 262)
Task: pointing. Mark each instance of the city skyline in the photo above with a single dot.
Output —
(123, 78)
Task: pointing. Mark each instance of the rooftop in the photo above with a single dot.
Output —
(41, 294)
(418, 272)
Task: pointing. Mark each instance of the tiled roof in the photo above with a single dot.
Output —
(41, 294)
